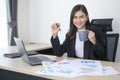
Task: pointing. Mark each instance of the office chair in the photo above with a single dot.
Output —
(103, 24)
(112, 42)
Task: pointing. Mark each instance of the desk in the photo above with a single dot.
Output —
(18, 67)
(29, 47)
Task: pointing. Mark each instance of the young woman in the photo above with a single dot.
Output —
(93, 48)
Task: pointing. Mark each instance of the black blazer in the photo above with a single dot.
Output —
(96, 52)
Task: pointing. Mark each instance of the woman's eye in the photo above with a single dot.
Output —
(81, 16)
(75, 17)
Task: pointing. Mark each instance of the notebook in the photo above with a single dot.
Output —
(17, 54)
(31, 60)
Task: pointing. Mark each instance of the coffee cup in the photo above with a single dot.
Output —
(83, 35)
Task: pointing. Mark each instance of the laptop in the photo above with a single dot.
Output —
(31, 60)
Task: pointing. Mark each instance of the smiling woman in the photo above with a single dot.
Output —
(90, 48)
(3, 25)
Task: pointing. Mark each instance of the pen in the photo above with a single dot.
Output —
(58, 26)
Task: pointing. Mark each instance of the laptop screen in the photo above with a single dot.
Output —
(22, 49)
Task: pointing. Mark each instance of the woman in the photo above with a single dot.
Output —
(93, 48)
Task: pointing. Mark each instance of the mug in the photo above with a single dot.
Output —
(83, 35)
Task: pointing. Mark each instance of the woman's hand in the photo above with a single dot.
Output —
(55, 28)
(91, 37)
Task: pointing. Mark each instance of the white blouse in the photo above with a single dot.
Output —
(79, 47)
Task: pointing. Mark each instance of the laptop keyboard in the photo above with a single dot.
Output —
(39, 58)
(34, 59)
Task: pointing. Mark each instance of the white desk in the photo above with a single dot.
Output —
(18, 65)
(29, 47)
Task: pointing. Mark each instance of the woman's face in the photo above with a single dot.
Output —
(79, 20)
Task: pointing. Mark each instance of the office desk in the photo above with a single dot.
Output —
(17, 68)
(29, 47)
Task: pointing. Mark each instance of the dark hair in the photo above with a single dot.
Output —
(72, 30)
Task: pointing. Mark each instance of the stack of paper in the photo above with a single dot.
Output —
(77, 67)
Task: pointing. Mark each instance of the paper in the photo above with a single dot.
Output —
(57, 68)
(73, 68)
(108, 71)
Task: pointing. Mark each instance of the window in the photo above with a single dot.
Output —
(3, 24)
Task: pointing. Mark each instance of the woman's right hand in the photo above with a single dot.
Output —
(55, 29)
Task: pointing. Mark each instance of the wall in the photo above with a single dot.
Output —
(42, 13)
(23, 19)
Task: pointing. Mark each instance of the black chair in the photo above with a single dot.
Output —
(103, 24)
(112, 42)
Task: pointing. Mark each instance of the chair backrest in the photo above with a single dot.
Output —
(104, 24)
(112, 42)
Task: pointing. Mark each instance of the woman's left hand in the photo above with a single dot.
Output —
(91, 37)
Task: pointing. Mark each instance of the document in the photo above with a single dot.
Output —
(77, 67)
(108, 71)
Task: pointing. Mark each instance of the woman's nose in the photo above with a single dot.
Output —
(79, 20)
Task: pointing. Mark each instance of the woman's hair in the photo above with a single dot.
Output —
(72, 30)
